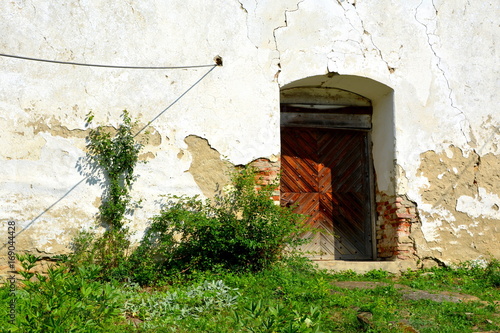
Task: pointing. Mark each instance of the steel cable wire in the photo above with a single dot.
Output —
(101, 65)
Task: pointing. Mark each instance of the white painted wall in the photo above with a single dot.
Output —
(439, 58)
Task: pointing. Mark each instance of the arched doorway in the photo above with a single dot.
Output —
(327, 168)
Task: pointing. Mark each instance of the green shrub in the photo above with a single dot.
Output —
(492, 272)
(243, 229)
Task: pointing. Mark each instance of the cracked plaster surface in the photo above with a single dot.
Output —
(427, 15)
(284, 26)
(460, 204)
(358, 26)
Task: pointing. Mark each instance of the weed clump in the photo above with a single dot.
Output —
(64, 300)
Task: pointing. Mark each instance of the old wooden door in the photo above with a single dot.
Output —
(326, 174)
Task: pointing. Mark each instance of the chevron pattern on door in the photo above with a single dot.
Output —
(325, 174)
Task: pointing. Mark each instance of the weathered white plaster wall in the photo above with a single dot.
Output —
(438, 58)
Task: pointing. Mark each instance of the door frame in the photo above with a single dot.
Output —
(353, 118)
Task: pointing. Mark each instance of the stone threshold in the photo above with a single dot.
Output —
(361, 267)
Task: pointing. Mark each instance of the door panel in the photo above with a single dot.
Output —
(325, 173)
(299, 158)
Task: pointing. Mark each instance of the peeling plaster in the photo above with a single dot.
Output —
(150, 138)
(210, 172)
(55, 128)
(483, 204)
(401, 180)
(460, 202)
(146, 156)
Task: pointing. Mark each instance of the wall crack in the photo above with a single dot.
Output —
(242, 7)
(429, 34)
(365, 32)
(281, 27)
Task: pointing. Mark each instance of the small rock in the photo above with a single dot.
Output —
(365, 317)
(440, 297)
(406, 327)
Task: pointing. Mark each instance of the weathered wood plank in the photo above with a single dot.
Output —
(326, 120)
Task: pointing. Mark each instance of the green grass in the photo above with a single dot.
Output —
(290, 296)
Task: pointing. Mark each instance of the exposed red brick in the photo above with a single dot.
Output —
(395, 217)
(267, 173)
(405, 216)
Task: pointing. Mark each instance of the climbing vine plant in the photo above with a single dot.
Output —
(117, 154)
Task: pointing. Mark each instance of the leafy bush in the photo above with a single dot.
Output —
(241, 229)
(377, 274)
(492, 272)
